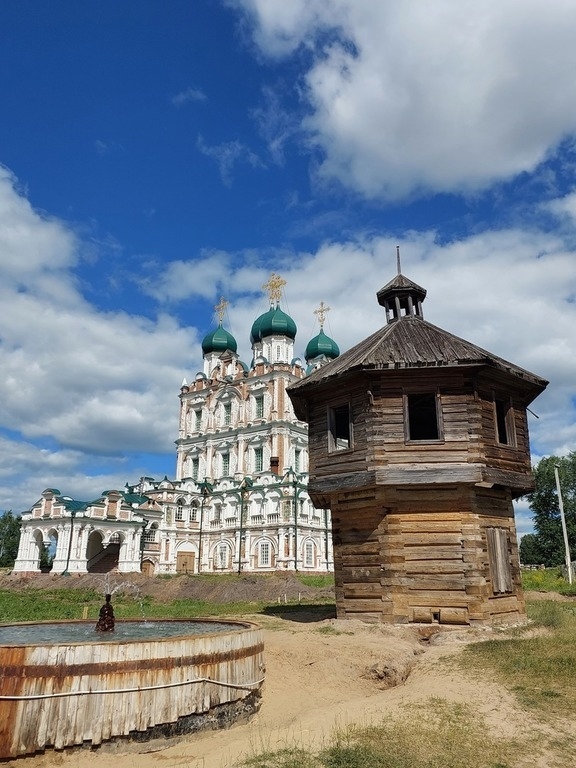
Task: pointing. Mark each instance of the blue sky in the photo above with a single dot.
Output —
(155, 156)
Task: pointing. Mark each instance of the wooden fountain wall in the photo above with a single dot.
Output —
(92, 692)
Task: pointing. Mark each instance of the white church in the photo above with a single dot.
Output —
(239, 501)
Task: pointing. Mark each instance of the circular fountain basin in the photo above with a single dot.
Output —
(63, 684)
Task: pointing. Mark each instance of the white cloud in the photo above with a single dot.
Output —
(227, 155)
(410, 97)
(32, 244)
(188, 95)
(564, 207)
(180, 280)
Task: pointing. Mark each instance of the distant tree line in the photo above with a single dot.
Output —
(546, 545)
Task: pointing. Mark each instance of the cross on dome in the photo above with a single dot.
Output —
(274, 287)
(221, 308)
(321, 312)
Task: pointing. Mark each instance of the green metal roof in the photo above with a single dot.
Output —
(322, 345)
(275, 322)
(219, 340)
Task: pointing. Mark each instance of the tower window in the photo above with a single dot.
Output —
(197, 420)
(225, 464)
(422, 413)
(195, 468)
(259, 410)
(227, 413)
(504, 418)
(340, 432)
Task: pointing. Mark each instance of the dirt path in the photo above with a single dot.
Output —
(321, 675)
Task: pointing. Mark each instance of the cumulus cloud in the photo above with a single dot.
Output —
(89, 382)
(410, 97)
(179, 280)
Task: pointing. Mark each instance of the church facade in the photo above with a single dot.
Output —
(239, 499)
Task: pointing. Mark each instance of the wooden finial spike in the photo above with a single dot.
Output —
(398, 259)
(321, 312)
(274, 287)
(221, 308)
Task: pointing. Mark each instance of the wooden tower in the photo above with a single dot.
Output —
(418, 444)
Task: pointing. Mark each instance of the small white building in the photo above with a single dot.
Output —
(97, 536)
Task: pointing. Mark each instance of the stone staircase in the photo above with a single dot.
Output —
(108, 562)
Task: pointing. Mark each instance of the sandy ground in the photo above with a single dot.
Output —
(322, 675)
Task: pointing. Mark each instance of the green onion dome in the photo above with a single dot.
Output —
(275, 322)
(219, 340)
(322, 345)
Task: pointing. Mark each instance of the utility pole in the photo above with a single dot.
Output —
(563, 520)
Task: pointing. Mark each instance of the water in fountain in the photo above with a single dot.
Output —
(83, 632)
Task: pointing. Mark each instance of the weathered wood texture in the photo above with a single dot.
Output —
(467, 451)
(405, 555)
(113, 677)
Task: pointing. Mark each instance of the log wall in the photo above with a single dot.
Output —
(422, 555)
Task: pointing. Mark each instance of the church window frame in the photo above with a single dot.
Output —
(197, 419)
(259, 459)
(225, 464)
(223, 556)
(195, 468)
(264, 554)
(297, 460)
(259, 407)
(309, 554)
(227, 415)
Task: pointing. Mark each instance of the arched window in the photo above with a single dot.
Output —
(264, 554)
(309, 554)
(222, 556)
(180, 509)
(150, 534)
(194, 512)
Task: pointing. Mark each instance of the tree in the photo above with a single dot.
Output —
(9, 538)
(530, 552)
(543, 502)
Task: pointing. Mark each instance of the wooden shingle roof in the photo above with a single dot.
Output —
(412, 342)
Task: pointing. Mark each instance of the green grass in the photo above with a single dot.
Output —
(436, 734)
(320, 580)
(540, 669)
(57, 604)
(548, 580)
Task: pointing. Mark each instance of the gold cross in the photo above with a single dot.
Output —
(274, 287)
(221, 308)
(322, 310)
